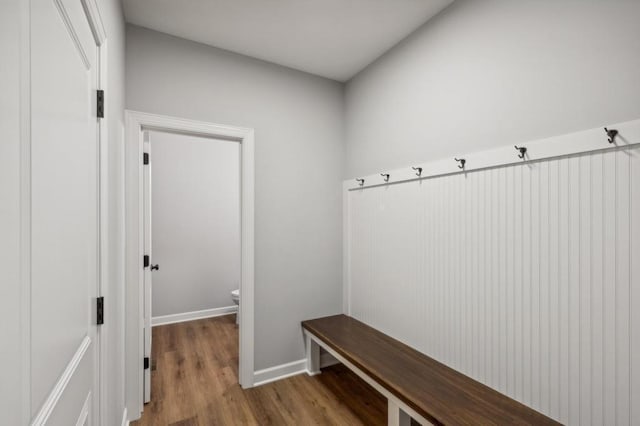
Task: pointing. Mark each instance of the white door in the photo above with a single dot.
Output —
(148, 269)
(64, 215)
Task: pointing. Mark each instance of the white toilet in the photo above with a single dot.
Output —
(235, 296)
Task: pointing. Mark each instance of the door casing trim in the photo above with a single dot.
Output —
(135, 123)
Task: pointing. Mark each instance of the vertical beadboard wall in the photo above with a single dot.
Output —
(525, 277)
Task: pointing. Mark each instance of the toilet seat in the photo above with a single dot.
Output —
(235, 296)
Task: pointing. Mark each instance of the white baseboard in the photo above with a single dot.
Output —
(125, 420)
(195, 315)
(279, 372)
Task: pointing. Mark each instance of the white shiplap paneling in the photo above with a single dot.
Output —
(524, 277)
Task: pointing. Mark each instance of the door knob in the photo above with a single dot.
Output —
(155, 267)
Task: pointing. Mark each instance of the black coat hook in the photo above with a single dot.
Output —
(360, 181)
(418, 171)
(522, 150)
(462, 162)
(611, 134)
(385, 176)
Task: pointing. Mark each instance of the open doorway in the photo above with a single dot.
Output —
(192, 240)
(189, 238)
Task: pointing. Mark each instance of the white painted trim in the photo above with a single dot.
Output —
(125, 419)
(96, 24)
(346, 257)
(312, 351)
(53, 397)
(194, 315)
(147, 282)
(104, 236)
(541, 149)
(279, 372)
(92, 10)
(84, 413)
(247, 247)
(103, 223)
(135, 123)
(404, 407)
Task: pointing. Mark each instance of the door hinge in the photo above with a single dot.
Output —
(100, 310)
(146, 362)
(100, 104)
(146, 260)
(145, 158)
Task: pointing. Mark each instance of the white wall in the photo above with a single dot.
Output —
(195, 222)
(298, 166)
(492, 73)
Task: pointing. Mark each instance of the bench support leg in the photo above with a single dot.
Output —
(397, 417)
(313, 356)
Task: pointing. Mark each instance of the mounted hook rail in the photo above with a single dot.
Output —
(462, 162)
(611, 134)
(624, 135)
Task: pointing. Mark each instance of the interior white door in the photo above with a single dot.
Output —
(149, 268)
(64, 216)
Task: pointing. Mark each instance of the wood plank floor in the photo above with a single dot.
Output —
(195, 382)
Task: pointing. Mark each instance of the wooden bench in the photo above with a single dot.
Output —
(415, 385)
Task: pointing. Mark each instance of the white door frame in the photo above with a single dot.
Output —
(92, 10)
(135, 123)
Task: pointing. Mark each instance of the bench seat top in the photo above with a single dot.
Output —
(439, 393)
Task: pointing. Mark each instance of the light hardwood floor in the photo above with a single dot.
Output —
(194, 381)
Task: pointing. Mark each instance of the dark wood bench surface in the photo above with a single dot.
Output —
(438, 393)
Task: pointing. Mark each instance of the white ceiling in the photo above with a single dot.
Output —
(330, 38)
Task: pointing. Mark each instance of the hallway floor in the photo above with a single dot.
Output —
(194, 381)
